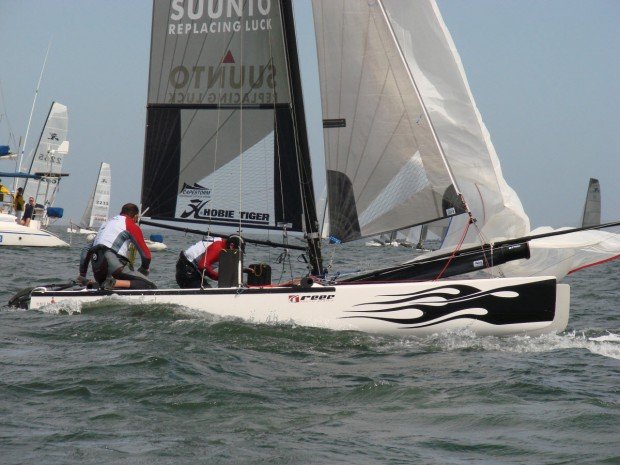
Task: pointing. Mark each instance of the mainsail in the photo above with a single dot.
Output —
(48, 156)
(98, 208)
(225, 145)
(385, 166)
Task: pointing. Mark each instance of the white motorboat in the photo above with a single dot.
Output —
(14, 234)
(41, 182)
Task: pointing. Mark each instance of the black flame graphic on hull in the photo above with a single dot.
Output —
(522, 303)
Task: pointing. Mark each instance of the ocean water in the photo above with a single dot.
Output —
(151, 384)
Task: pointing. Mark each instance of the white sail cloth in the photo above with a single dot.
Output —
(385, 169)
(48, 156)
(98, 208)
(437, 69)
(562, 255)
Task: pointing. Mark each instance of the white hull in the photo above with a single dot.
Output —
(17, 235)
(79, 230)
(487, 306)
(155, 246)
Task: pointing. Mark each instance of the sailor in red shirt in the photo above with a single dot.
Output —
(202, 259)
(109, 252)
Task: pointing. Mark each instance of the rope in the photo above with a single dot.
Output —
(454, 252)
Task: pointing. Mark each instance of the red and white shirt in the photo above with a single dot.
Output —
(117, 233)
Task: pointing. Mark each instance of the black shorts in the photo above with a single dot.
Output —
(107, 263)
(187, 275)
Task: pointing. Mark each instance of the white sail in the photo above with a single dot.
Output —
(385, 168)
(48, 157)
(435, 64)
(98, 208)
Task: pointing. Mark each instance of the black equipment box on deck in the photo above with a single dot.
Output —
(229, 268)
(259, 274)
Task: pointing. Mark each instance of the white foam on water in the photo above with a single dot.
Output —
(60, 308)
(611, 337)
(564, 341)
(606, 345)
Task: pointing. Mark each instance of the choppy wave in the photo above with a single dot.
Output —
(109, 382)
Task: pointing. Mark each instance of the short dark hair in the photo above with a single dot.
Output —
(130, 209)
(20, 189)
(236, 241)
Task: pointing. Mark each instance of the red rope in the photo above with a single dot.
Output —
(456, 249)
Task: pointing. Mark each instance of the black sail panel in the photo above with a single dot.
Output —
(287, 194)
(161, 161)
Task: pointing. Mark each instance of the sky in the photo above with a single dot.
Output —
(545, 76)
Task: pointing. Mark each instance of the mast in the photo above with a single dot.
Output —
(34, 155)
(34, 101)
(301, 140)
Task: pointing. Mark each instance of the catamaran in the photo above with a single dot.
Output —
(227, 151)
(98, 207)
(41, 182)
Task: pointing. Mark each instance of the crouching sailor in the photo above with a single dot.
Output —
(201, 260)
(109, 250)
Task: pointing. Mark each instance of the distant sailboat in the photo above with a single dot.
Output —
(592, 207)
(98, 208)
(98, 211)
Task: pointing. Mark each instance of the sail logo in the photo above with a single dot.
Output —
(218, 16)
(195, 191)
(228, 58)
(200, 209)
(52, 159)
(225, 83)
(295, 299)
(53, 136)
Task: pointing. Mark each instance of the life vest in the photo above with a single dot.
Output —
(118, 233)
(19, 202)
(196, 251)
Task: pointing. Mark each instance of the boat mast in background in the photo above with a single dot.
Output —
(21, 149)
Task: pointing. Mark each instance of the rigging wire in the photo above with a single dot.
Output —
(6, 117)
